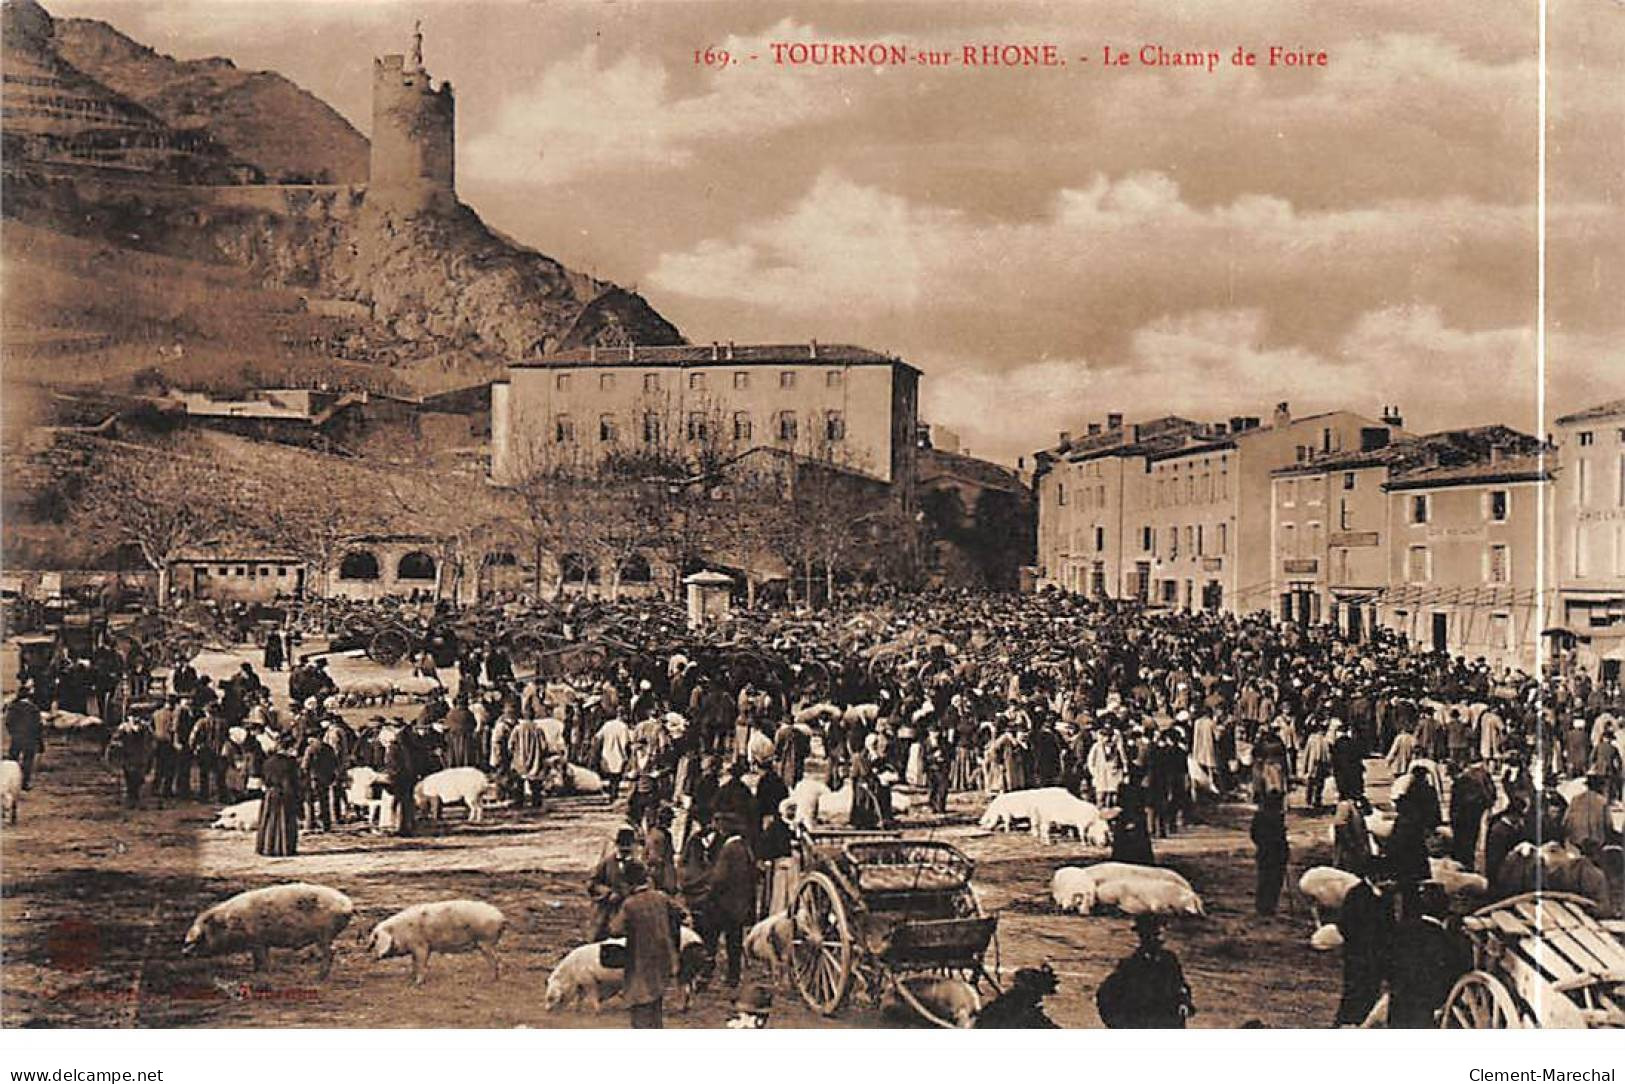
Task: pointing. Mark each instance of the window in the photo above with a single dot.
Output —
(787, 380)
(1224, 538)
(1582, 482)
(698, 430)
(564, 429)
(651, 381)
(1173, 543)
(1419, 509)
(359, 565)
(1497, 502)
(832, 379)
(1289, 492)
(1100, 539)
(1343, 514)
(1622, 481)
(1289, 540)
(696, 381)
(1348, 479)
(416, 565)
(741, 381)
(1587, 439)
(607, 433)
(1190, 539)
(787, 424)
(1060, 494)
(1224, 477)
(1582, 559)
(606, 381)
(741, 425)
(281, 573)
(651, 428)
(562, 382)
(1418, 565)
(1498, 564)
(239, 571)
(1501, 631)
(1148, 539)
(1199, 550)
(834, 425)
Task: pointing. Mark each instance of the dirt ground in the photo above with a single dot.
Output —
(96, 901)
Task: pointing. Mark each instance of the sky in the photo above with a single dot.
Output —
(1046, 244)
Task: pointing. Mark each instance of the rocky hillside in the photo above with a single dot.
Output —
(260, 117)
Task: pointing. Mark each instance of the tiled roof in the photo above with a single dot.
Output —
(1512, 468)
(717, 354)
(1614, 408)
(934, 464)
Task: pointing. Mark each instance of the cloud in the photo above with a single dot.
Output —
(590, 114)
(1210, 364)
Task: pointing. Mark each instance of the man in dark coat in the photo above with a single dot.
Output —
(25, 733)
(1416, 815)
(1471, 796)
(400, 768)
(609, 884)
(1147, 989)
(649, 920)
(130, 750)
(1269, 840)
(1366, 922)
(730, 900)
(1428, 958)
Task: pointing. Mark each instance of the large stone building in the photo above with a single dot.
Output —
(1588, 534)
(1433, 536)
(852, 407)
(414, 122)
(1177, 512)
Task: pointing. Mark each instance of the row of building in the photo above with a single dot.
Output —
(1481, 541)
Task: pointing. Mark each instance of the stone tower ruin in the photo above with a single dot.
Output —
(413, 135)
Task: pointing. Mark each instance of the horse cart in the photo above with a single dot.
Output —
(1539, 960)
(874, 910)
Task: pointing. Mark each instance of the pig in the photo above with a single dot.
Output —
(1325, 886)
(835, 806)
(417, 686)
(579, 780)
(861, 713)
(1326, 938)
(466, 785)
(1047, 808)
(242, 817)
(947, 998)
(362, 693)
(1141, 896)
(72, 720)
(1082, 888)
(380, 810)
(281, 916)
(1456, 880)
(11, 789)
(582, 976)
(447, 926)
(814, 713)
(768, 942)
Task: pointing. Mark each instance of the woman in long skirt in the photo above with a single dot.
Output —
(279, 811)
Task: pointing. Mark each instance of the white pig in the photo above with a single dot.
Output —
(451, 785)
(579, 780)
(1326, 938)
(807, 794)
(835, 807)
(281, 916)
(1325, 886)
(11, 789)
(447, 926)
(768, 942)
(242, 817)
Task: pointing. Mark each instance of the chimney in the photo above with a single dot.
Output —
(1066, 437)
(1094, 429)
(812, 349)
(1114, 421)
(730, 349)
(714, 350)
(1496, 453)
(1391, 417)
(1283, 415)
(1373, 437)
(592, 352)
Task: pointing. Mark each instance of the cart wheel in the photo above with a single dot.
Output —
(1479, 1001)
(901, 985)
(821, 955)
(388, 647)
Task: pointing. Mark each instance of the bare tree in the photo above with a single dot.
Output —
(163, 499)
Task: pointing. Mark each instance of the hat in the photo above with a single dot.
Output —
(636, 873)
(625, 834)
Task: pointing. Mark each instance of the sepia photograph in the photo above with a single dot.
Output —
(706, 514)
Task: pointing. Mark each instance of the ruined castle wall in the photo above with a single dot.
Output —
(413, 137)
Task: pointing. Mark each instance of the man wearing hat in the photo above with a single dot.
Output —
(401, 770)
(730, 895)
(1585, 822)
(1147, 989)
(1428, 958)
(25, 734)
(649, 920)
(609, 884)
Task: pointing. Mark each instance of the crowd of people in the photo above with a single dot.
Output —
(1151, 715)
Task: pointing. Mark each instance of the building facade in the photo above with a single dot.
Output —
(1588, 535)
(854, 408)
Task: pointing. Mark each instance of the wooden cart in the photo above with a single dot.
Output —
(1541, 959)
(876, 909)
